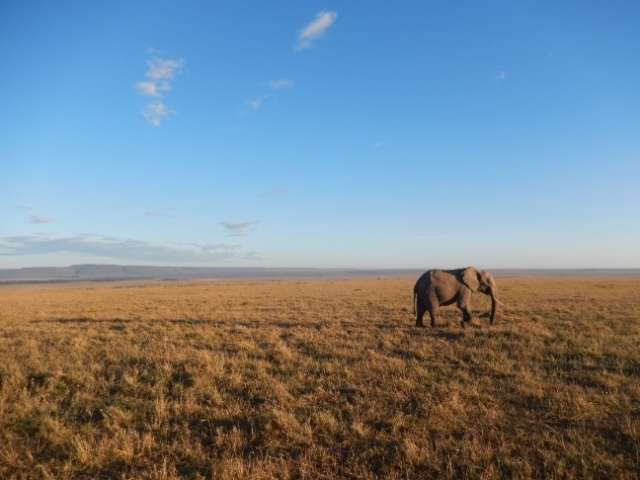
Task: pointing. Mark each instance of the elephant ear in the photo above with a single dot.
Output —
(470, 278)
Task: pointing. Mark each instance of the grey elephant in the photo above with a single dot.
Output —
(443, 287)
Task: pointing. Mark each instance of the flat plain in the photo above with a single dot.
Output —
(318, 379)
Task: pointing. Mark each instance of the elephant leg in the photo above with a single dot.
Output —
(466, 312)
(420, 311)
(433, 308)
(433, 311)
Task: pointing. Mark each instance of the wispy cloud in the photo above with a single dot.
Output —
(163, 69)
(40, 219)
(159, 77)
(315, 29)
(122, 249)
(116, 208)
(274, 192)
(251, 105)
(152, 89)
(379, 144)
(255, 104)
(157, 214)
(239, 229)
(26, 206)
(220, 247)
(501, 76)
(154, 112)
(281, 83)
(160, 74)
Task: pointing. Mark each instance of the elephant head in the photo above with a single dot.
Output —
(481, 281)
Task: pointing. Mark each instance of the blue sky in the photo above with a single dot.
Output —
(501, 134)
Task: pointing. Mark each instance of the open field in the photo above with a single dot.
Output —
(316, 379)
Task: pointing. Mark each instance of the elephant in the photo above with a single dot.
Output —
(443, 287)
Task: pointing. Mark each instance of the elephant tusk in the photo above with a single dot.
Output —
(499, 302)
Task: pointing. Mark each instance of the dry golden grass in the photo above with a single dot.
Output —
(318, 379)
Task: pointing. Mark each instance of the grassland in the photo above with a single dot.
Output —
(319, 379)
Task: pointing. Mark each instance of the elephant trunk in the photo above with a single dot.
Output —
(493, 291)
(494, 308)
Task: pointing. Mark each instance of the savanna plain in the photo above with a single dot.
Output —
(318, 379)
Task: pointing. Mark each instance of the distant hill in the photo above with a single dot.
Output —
(79, 273)
(101, 273)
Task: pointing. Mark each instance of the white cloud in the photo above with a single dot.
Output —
(379, 144)
(281, 83)
(219, 247)
(154, 112)
(163, 69)
(152, 89)
(315, 29)
(501, 76)
(40, 219)
(255, 104)
(238, 229)
(26, 206)
(121, 249)
(116, 208)
(160, 74)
